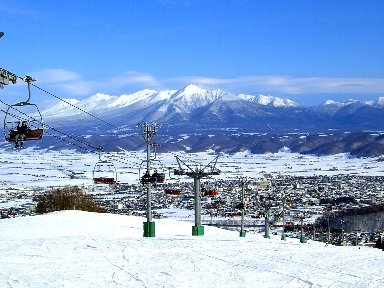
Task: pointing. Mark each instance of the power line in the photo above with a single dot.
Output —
(74, 106)
(58, 137)
(78, 108)
(45, 125)
(115, 158)
(82, 110)
(14, 77)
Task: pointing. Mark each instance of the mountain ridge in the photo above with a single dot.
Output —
(196, 112)
(187, 98)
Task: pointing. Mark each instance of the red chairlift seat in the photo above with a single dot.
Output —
(212, 192)
(209, 192)
(172, 192)
(20, 114)
(32, 134)
(104, 172)
(104, 180)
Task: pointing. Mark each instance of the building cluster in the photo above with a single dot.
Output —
(289, 201)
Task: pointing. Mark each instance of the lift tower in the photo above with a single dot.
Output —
(242, 206)
(149, 130)
(6, 77)
(197, 173)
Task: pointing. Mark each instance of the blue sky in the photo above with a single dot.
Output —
(308, 51)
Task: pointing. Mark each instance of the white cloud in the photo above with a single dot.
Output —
(286, 84)
(71, 84)
(56, 76)
(132, 77)
(63, 81)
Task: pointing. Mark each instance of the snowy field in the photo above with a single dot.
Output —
(39, 168)
(80, 249)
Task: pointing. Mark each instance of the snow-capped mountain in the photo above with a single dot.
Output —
(192, 107)
(269, 100)
(378, 102)
(216, 119)
(169, 103)
(192, 97)
(339, 103)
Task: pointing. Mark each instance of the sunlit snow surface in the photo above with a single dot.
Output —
(80, 249)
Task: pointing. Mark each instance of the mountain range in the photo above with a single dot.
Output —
(195, 119)
(193, 107)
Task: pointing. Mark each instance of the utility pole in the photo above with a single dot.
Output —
(243, 181)
(314, 233)
(149, 130)
(265, 202)
(283, 211)
(328, 232)
(266, 221)
(302, 238)
(342, 231)
(197, 173)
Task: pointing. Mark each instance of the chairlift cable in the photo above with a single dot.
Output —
(84, 111)
(34, 121)
(115, 158)
(78, 108)
(58, 137)
(46, 125)
(69, 142)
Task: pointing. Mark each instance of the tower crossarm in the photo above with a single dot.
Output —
(6, 76)
(206, 171)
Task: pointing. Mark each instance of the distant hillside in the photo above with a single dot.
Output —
(193, 108)
(194, 119)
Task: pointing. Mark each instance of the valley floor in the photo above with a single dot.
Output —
(40, 168)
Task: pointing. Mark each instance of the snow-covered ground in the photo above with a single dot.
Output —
(81, 249)
(39, 168)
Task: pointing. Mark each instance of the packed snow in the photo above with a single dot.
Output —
(81, 249)
(72, 248)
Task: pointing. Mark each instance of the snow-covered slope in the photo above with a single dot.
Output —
(192, 97)
(379, 101)
(192, 108)
(269, 100)
(183, 101)
(80, 249)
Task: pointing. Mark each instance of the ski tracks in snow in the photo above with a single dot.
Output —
(124, 269)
